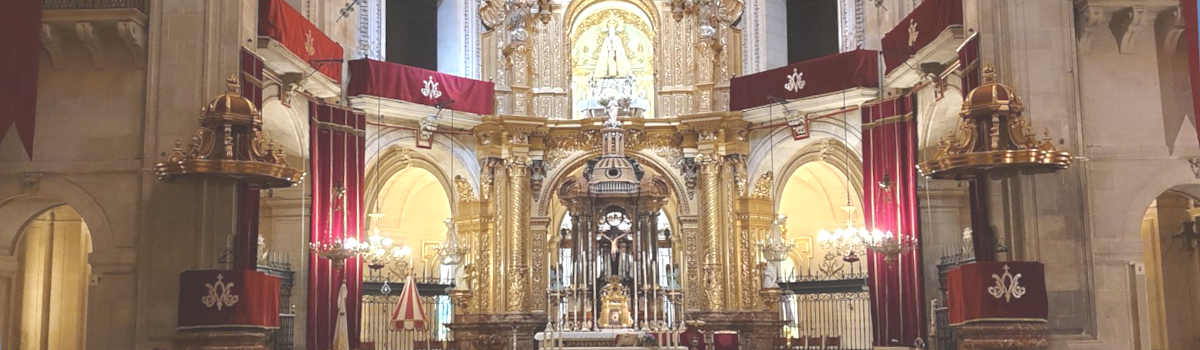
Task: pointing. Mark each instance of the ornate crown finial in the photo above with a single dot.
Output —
(989, 74)
(231, 83)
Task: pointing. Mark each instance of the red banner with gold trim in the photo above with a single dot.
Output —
(279, 21)
(337, 144)
(889, 151)
(821, 75)
(918, 29)
(422, 86)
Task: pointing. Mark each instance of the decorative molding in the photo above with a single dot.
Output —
(52, 43)
(1171, 25)
(1125, 19)
(86, 32)
(1089, 18)
(134, 37)
(1129, 23)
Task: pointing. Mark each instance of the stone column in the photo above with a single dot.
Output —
(710, 231)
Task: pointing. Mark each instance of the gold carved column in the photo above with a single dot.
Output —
(518, 228)
(758, 210)
(472, 222)
(709, 183)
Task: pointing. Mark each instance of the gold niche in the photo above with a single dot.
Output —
(230, 143)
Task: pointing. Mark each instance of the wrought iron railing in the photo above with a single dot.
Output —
(379, 301)
(827, 312)
(377, 330)
(142, 5)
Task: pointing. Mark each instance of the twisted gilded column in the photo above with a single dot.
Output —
(518, 187)
(710, 168)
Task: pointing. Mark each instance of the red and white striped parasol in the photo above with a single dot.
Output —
(409, 314)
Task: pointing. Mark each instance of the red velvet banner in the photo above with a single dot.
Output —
(279, 21)
(419, 85)
(997, 291)
(889, 158)
(336, 140)
(223, 298)
(918, 29)
(21, 22)
(1191, 11)
(245, 250)
(812, 77)
(251, 77)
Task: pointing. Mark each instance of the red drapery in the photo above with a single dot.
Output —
(890, 156)
(1191, 11)
(812, 77)
(336, 143)
(279, 21)
(245, 256)
(418, 85)
(21, 21)
(918, 29)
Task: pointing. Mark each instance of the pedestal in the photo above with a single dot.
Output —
(757, 330)
(1002, 336)
(998, 305)
(216, 339)
(508, 331)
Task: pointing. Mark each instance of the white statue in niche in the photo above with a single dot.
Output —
(968, 242)
(611, 60)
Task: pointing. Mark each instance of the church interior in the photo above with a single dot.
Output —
(600, 174)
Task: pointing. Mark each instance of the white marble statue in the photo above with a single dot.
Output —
(968, 242)
(611, 60)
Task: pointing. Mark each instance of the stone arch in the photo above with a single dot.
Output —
(395, 159)
(49, 290)
(285, 126)
(570, 164)
(47, 192)
(830, 151)
(576, 7)
(463, 154)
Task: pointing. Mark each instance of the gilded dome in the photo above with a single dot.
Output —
(232, 106)
(991, 97)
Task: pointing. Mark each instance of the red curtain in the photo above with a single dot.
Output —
(890, 156)
(1191, 11)
(20, 23)
(245, 251)
(336, 142)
